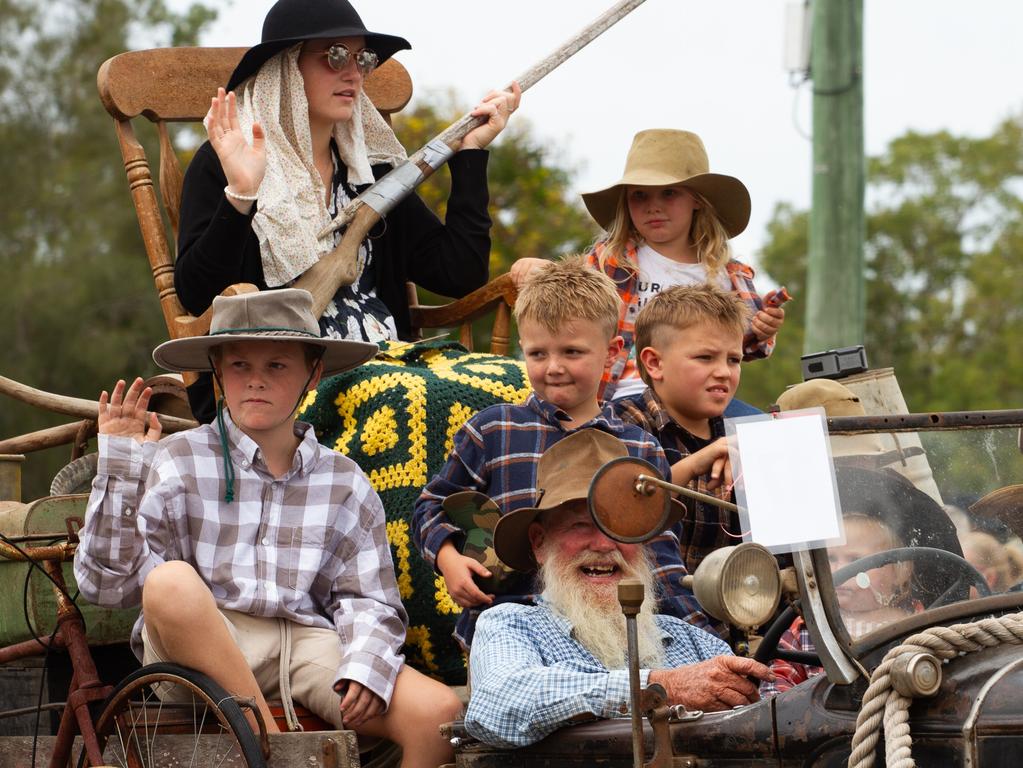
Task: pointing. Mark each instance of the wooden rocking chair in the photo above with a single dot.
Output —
(174, 85)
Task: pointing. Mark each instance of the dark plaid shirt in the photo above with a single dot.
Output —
(496, 453)
(702, 530)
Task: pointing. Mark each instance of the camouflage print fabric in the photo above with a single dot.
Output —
(396, 416)
(477, 514)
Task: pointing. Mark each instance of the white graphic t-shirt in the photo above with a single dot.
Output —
(658, 273)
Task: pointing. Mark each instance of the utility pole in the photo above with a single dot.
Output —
(835, 302)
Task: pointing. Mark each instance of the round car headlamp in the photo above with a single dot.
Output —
(740, 585)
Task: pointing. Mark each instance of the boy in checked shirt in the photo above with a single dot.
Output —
(238, 533)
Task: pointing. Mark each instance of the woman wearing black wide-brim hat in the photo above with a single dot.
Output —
(292, 139)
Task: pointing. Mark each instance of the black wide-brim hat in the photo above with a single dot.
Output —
(295, 21)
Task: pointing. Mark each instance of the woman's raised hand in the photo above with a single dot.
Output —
(497, 106)
(244, 164)
(124, 414)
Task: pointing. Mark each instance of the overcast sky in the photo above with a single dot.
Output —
(712, 67)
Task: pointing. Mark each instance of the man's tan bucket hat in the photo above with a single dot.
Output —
(838, 400)
(662, 156)
(563, 475)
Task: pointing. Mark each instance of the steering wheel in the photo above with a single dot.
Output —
(937, 558)
(768, 648)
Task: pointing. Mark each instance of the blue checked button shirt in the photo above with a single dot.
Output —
(496, 452)
(309, 547)
(530, 677)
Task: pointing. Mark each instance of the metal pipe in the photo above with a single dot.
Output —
(630, 597)
(642, 481)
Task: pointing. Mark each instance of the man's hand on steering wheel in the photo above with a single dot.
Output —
(713, 685)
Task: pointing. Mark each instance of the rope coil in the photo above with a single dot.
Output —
(882, 704)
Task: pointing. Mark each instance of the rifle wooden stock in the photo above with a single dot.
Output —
(362, 213)
(340, 266)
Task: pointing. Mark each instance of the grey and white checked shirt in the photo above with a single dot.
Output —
(310, 547)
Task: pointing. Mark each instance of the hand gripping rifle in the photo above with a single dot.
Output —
(339, 267)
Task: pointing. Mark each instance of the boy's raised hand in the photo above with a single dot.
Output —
(457, 570)
(712, 460)
(124, 414)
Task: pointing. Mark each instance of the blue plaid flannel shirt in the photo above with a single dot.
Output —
(496, 453)
(530, 677)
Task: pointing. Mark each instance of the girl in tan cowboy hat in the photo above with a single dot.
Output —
(667, 222)
(292, 139)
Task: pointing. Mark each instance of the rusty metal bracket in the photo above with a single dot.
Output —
(654, 700)
(249, 703)
(73, 525)
(330, 753)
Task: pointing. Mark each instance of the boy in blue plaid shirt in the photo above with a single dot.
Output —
(567, 316)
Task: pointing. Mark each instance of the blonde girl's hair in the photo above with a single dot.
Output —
(707, 234)
(568, 290)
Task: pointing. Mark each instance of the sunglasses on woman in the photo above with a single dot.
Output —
(339, 54)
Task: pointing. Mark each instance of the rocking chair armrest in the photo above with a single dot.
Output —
(186, 326)
(468, 308)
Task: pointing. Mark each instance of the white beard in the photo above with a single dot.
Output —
(594, 612)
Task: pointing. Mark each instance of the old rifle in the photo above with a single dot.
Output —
(339, 267)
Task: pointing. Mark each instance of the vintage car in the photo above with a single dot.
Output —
(920, 650)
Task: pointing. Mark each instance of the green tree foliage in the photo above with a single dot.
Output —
(944, 268)
(534, 212)
(784, 259)
(79, 300)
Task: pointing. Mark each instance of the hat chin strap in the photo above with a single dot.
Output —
(305, 387)
(229, 475)
(222, 432)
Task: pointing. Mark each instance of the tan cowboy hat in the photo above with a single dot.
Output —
(662, 156)
(280, 315)
(838, 400)
(563, 475)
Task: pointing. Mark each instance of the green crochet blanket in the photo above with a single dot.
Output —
(396, 416)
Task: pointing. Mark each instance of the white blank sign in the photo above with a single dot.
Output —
(786, 488)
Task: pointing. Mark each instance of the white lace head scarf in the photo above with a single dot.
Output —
(291, 209)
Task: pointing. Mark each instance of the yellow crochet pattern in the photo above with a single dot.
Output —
(396, 417)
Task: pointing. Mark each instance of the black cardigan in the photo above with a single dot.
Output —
(217, 247)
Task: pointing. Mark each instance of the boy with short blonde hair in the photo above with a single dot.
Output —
(568, 290)
(258, 555)
(689, 342)
(567, 315)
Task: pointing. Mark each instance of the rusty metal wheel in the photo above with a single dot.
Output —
(165, 714)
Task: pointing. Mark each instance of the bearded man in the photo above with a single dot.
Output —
(535, 668)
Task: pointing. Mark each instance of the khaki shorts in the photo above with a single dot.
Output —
(315, 659)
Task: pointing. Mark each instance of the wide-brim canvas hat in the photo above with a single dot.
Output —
(662, 156)
(279, 315)
(290, 22)
(563, 475)
(838, 400)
